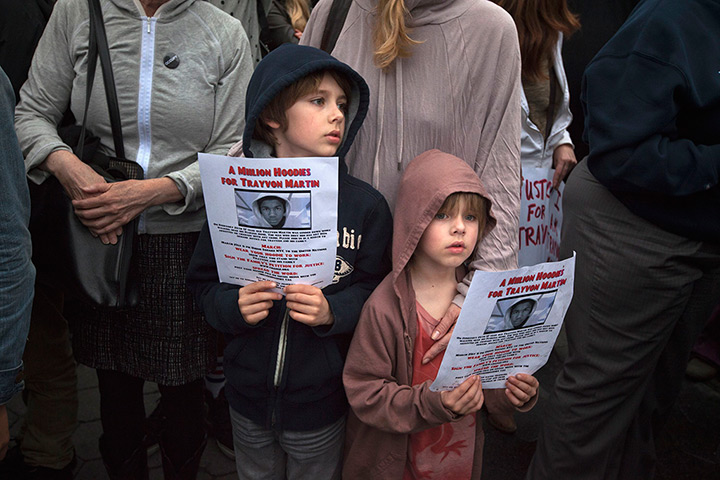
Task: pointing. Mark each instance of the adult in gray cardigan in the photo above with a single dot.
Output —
(180, 69)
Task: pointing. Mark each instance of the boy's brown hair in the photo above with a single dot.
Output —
(276, 109)
(474, 205)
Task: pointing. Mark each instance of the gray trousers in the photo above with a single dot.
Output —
(641, 298)
(262, 454)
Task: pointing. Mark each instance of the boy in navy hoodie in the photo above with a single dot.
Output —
(284, 356)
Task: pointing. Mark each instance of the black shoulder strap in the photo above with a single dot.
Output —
(109, 81)
(98, 45)
(263, 24)
(92, 62)
(333, 26)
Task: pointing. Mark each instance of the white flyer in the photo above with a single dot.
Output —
(272, 218)
(508, 324)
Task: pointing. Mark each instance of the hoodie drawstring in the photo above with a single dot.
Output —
(399, 107)
(381, 121)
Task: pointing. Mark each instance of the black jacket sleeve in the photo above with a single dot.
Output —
(634, 105)
(371, 265)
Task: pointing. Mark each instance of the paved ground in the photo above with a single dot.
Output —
(689, 449)
(214, 465)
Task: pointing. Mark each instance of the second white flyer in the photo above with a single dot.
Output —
(272, 218)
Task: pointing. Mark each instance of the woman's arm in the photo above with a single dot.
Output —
(107, 207)
(45, 96)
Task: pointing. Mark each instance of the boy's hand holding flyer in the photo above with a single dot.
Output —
(508, 324)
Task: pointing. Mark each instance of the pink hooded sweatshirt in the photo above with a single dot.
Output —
(386, 408)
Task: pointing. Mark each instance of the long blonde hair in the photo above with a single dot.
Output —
(390, 38)
(299, 12)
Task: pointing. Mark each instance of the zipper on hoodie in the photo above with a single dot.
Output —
(147, 55)
(282, 348)
(280, 359)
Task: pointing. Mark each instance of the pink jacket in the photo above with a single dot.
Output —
(378, 369)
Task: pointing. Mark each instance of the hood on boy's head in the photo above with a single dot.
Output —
(283, 67)
(427, 181)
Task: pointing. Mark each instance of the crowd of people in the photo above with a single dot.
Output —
(334, 382)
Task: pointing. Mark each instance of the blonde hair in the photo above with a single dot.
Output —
(474, 204)
(299, 12)
(390, 37)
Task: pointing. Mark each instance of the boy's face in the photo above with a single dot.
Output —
(316, 123)
(272, 211)
(520, 313)
(449, 239)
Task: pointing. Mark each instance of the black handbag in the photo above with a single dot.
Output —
(65, 253)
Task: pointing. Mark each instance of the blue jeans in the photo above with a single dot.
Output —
(17, 274)
(262, 454)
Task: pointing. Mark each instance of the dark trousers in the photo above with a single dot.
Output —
(50, 384)
(122, 414)
(642, 296)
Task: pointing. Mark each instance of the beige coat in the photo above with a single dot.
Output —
(459, 92)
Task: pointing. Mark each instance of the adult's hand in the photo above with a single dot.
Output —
(107, 207)
(443, 333)
(563, 161)
(76, 177)
(4, 432)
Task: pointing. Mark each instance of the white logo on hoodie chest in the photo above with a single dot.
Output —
(348, 240)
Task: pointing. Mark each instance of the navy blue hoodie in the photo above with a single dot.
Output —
(652, 102)
(301, 389)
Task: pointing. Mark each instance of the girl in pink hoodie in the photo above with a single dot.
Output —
(398, 428)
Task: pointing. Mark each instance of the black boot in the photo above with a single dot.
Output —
(186, 471)
(133, 468)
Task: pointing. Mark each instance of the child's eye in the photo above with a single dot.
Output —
(343, 107)
(470, 218)
(441, 215)
(318, 101)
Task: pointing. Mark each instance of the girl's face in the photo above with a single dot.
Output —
(449, 239)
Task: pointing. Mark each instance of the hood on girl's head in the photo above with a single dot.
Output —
(427, 181)
(283, 67)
